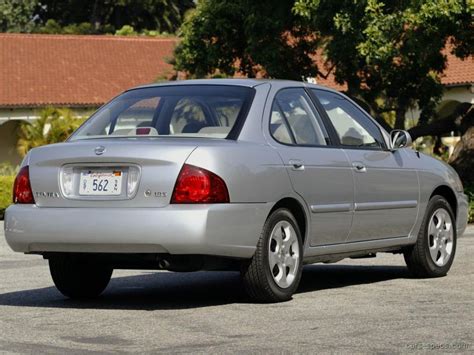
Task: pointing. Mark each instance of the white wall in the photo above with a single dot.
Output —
(458, 93)
(25, 114)
(8, 139)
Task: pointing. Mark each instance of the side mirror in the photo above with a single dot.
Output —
(400, 139)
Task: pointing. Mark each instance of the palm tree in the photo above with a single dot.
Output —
(54, 125)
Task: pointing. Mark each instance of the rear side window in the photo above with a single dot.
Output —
(212, 111)
(295, 121)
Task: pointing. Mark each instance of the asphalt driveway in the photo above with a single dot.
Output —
(356, 306)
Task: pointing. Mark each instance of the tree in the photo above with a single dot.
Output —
(17, 15)
(463, 156)
(229, 36)
(108, 16)
(92, 16)
(54, 125)
(389, 54)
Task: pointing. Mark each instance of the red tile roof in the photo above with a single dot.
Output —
(458, 71)
(39, 70)
(64, 70)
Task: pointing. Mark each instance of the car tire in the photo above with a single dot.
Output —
(79, 278)
(274, 272)
(433, 253)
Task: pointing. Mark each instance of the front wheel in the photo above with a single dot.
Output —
(79, 277)
(433, 253)
(274, 272)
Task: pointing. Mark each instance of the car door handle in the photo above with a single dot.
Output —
(359, 167)
(296, 164)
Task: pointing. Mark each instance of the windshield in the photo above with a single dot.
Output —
(212, 111)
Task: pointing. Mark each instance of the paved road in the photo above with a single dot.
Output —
(355, 306)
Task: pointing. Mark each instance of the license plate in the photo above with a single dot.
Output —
(101, 182)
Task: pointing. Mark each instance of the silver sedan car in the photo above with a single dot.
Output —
(259, 176)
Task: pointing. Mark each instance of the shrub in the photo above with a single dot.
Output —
(126, 30)
(54, 125)
(7, 169)
(6, 188)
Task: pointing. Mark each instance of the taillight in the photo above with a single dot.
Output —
(22, 192)
(198, 185)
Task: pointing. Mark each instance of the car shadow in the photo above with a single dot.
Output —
(163, 290)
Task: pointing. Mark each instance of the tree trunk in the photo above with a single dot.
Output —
(400, 117)
(463, 157)
(95, 18)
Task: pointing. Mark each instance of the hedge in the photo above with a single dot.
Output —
(6, 187)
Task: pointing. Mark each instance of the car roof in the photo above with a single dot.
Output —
(234, 82)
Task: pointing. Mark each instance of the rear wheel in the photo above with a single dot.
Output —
(78, 277)
(274, 272)
(433, 253)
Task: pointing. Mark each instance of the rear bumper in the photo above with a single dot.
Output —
(462, 215)
(222, 229)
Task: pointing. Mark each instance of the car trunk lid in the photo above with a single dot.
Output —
(152, 165)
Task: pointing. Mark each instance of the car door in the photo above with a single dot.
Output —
(386, 189)
(319, 172)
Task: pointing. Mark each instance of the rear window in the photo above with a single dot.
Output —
(212, 111)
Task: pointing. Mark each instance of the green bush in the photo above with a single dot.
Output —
(6, 187)
(126, 30)
(7, 169)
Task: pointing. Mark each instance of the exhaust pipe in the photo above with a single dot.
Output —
(163, 264)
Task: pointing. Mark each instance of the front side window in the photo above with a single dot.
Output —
(294, 120)
(353, 128)
(210, 111)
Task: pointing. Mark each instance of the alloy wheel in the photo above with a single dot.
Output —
(283, 254)
(440, 237)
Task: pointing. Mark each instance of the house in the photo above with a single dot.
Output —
(84, 72)
(78, 72)
(458, 82)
